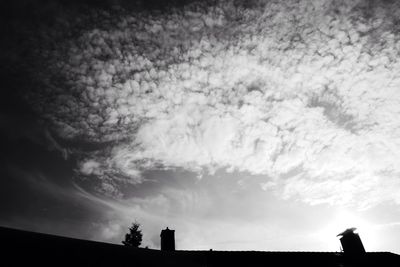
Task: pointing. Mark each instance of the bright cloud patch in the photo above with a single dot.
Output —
(305, 93)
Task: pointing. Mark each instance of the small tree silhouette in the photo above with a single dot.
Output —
(134, 237)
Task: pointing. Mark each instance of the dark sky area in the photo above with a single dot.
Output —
(243, 125)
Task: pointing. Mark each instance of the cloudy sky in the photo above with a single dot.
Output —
(254, 125)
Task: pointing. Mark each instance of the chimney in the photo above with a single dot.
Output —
(351, 243)
(167, 240)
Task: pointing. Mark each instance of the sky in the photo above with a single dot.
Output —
(253, 125)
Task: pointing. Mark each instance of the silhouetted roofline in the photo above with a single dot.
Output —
(24, 248)
(20, 231)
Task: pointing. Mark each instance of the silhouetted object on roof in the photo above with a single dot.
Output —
(48, 251)
(351, 243)
(167, 240)
(134, 237)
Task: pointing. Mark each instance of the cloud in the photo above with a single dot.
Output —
(206, 216)
(90, 167)
(285, 86)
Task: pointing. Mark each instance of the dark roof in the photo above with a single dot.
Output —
(30, 249)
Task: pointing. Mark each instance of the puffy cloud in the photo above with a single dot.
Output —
(282, 86)
(90, 167)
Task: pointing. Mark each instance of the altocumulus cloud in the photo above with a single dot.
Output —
(303, 92)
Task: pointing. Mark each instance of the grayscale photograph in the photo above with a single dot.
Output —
(200, 133)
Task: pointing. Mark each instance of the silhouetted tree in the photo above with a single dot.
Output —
(134, 237)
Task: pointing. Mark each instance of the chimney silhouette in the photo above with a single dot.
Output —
(167, 240)
(351, 243)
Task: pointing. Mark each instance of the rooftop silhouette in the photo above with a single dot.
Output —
(23, 248)
(167, 240)
(351, 243)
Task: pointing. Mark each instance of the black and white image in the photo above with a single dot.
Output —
(262, 125)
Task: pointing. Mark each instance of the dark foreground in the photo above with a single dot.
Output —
(21, 248)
